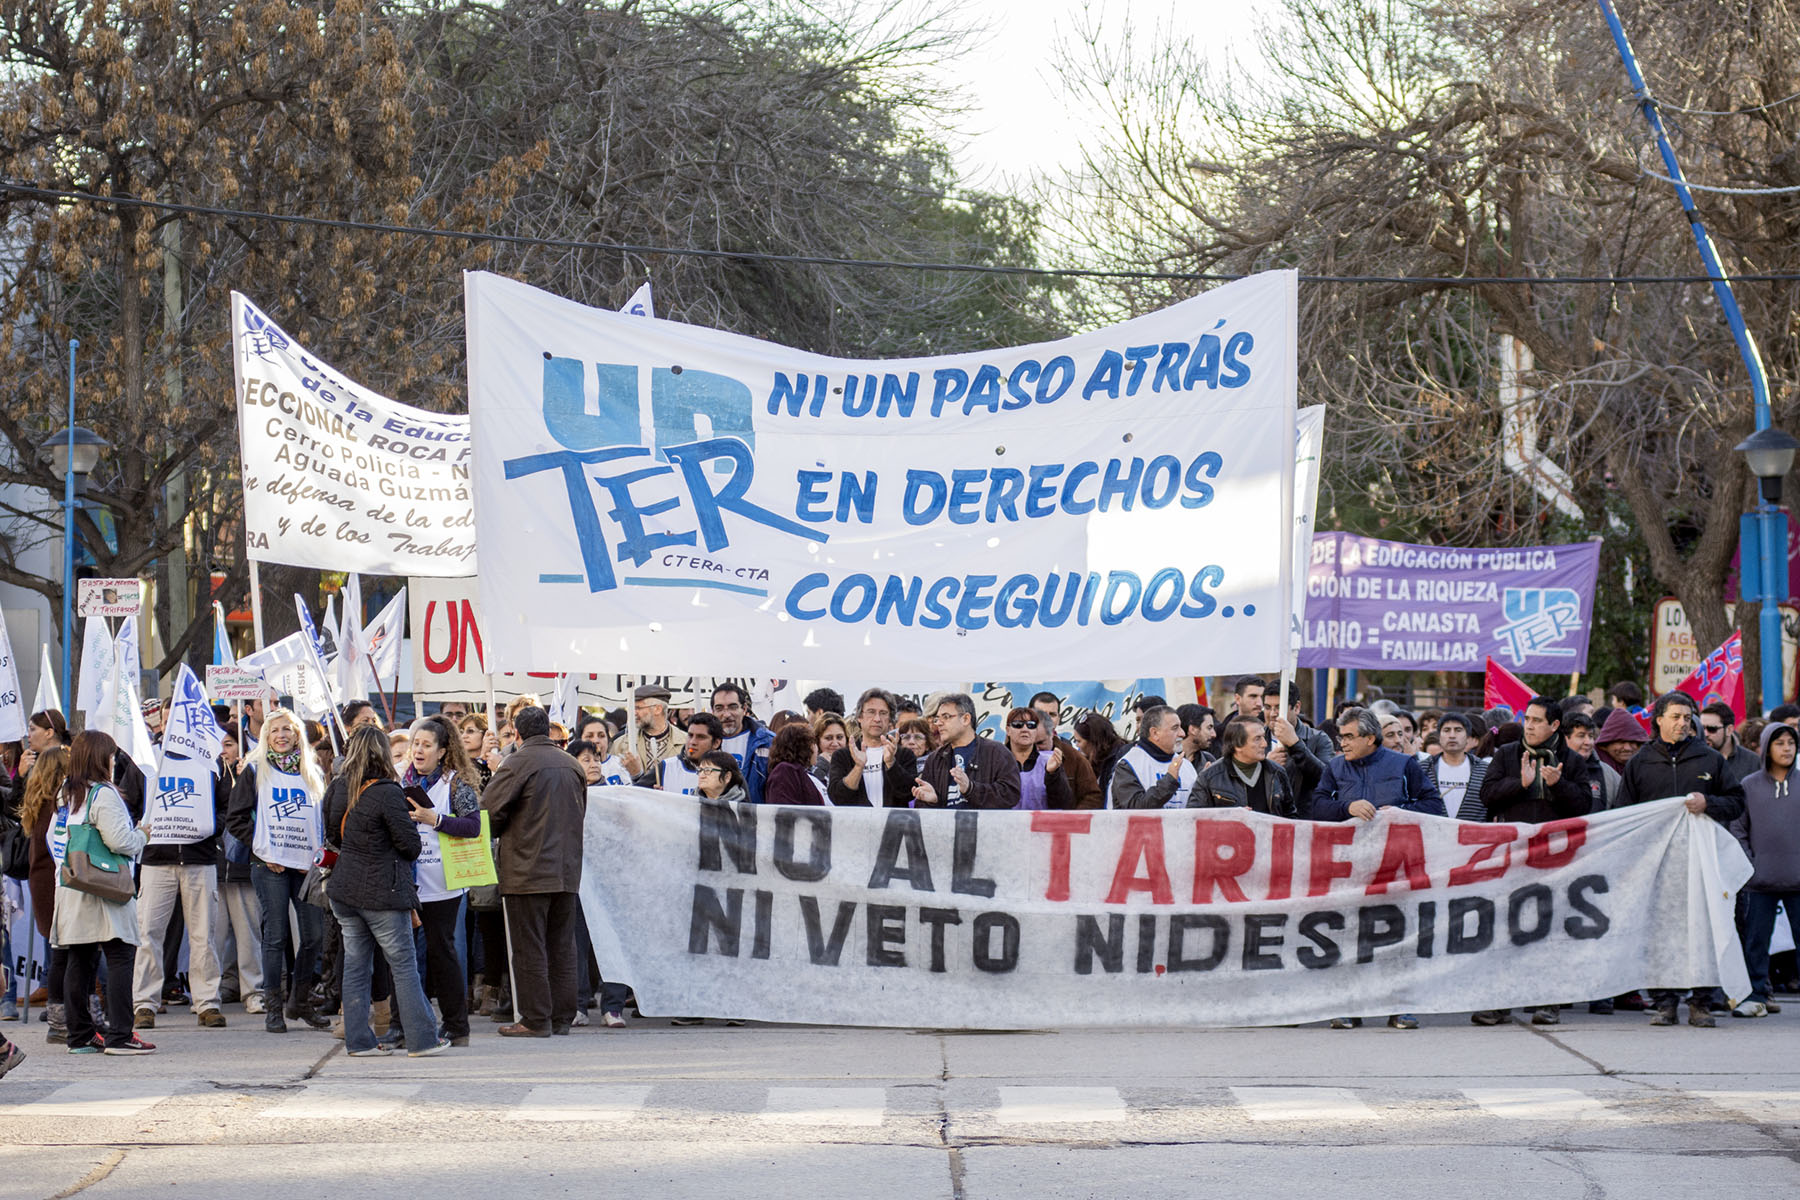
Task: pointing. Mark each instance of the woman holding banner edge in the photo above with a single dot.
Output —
(441, 800)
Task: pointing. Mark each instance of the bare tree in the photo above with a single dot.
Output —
(1402, 141)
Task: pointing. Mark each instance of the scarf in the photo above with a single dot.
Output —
(287, 762)
(1161, 756)
(411, 777)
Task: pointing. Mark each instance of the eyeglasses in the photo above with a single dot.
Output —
(1021, 724)
(710, 771)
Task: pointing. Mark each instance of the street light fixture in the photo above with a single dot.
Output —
(82, 448)
(1770, 453)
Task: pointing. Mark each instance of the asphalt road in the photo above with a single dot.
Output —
(1596, 1107)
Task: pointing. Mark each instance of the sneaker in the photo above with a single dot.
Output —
(9, 1009)
(253, 1004)
(1632, 1002)
(1700, 1018)
(1600, 1008)
(581, 1018)
(1750, 1008)
(1403, 1021)
(1547, 1015)
(461, 1039)
(1345, 1022)
(685, 1020)
(442, 1045)
(1493, 1016)
(144, 1018)
(1771, 1006)
(613, 1020)
(12, 1058)
(92, 1046)
(136, 1045)
(212, 1018)
(1665, 1015)
(176, 996)
(376, 1051)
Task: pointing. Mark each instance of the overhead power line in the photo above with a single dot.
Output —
(68, 195)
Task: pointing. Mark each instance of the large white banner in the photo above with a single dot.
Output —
(1009, 920)
(671, 498)
(12, 697)
(339, 477)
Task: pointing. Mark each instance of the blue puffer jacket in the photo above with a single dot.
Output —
(1384, 778)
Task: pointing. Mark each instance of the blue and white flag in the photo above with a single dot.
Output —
(222, 656)
(190, 730)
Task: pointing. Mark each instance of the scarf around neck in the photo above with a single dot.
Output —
(287, 762)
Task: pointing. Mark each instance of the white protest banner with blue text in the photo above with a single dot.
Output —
(653, 496)
(1017, 920)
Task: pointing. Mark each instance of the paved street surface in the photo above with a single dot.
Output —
(1600, 1106)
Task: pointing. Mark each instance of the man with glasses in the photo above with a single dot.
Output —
(744, 739)
(1075, 765)
(657, 737)
(1718, 724)
(874, 770)
(1677, 763)
(966, 771)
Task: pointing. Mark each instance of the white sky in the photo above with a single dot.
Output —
(1022, 119)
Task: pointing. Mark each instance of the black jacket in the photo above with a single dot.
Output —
(896, 780)
(992, 770)
(1220, 787)
(1658, 771)
(1507, 800)
(377, 850)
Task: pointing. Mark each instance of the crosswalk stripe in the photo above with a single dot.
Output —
(1302, 1104)
(1059, 1105)
(1541, 1104)
(826, 1106)
(1783, 1108)
(343, 1101)
(580, 1102)
(97, 1098)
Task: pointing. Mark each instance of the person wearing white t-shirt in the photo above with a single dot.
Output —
(1457, 773)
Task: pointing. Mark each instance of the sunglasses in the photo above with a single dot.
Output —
(1021, 724)
(1713, 728)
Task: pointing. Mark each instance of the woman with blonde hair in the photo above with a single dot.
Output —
(275, 810)
(41, 815)
(373, 894)
(87, 926)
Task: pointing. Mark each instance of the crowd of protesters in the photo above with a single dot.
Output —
(322, 892)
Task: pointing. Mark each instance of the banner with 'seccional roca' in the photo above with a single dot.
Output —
(339, 477)
(1009, 920)
(691, 500)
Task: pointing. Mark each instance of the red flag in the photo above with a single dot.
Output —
(1720, 677)
(1504, 689)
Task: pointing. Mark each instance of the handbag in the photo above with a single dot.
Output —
(93, 867)
(15, 851)
(312, 888)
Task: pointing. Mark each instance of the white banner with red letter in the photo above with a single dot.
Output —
(1010, 920)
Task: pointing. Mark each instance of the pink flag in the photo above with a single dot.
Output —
(1720, 677)
(1503, 689)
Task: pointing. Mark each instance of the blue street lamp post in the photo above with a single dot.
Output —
(1762, 549)
(73, 454)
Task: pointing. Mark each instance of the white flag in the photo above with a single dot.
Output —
(96, 664)
(565, 704)
(48, 698)
(352, 672)
(12, 702)
(381, 638)
(640, 304)
(119, 714)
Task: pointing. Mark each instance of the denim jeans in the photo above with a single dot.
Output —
(391, 929)
(1759, 927)
(276, 891)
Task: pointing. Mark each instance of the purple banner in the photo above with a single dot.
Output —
(1377, 605)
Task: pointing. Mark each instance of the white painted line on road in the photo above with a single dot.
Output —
(1782, 1108)
(1302, 1104)
(826, 1106)
(1541, 1104)
(343, 1101)
(1059, 1105)
(580, 1102)
(98, 1098)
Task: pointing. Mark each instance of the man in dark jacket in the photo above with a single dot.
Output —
(1083, 783)
(874, 771)
(1718, 725)
(1367, 776)
(1676, 762)
(1529, 782)
(966, 771)
(1244, 777)
(537, 804)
